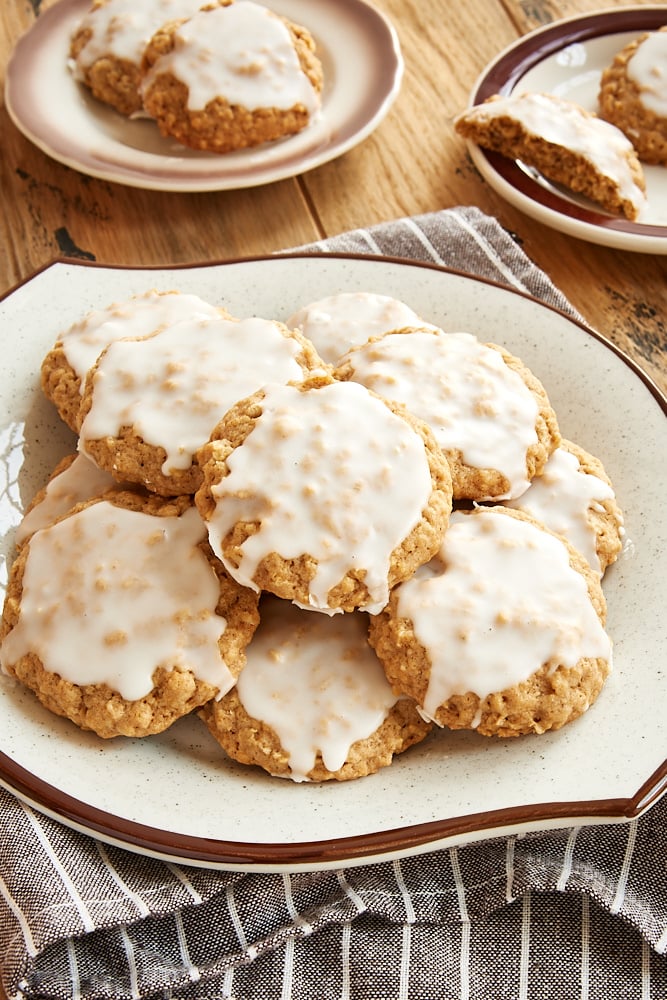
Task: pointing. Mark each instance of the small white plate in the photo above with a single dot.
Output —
(177, 795)
(567, 59)
(363, 69)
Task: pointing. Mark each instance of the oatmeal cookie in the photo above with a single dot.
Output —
(312, 702)
(323, 493)
(232, 76)
(338, 322)
(74, 480)
(65, 367)
(488, 412)
(107, 46)
(574, 497)
(120, 618)
(633, 94)
(150, 403)
(566, 143)
(502, 633)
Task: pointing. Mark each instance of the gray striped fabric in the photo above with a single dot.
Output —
(578, 913)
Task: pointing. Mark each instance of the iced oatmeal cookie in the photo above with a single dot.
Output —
(633, 94)
(503, 632)
(488, 412)
(566, 143)
(231, 76)
(574, 497)
(338, 322)
(120, 618)
(323, 493)
(107, 46)
(312, 702)
(66, 365)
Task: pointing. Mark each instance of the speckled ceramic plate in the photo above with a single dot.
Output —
(177, 795)
(62, 119)
(567, 59)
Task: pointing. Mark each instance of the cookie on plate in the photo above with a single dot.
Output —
(633, 94)
(574, 497)
(502, 633)
(566, 143)
(108, 44)
(74, 480)
(488, 412)
(66, 365)
(149, 404)
(232, 76)
(120, 618)
(312, 702)
(324, 494)
(338, 322)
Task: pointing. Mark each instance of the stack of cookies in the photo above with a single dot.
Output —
(215, 75)
(328, 536)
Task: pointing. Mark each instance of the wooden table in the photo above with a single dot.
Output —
(413, 163)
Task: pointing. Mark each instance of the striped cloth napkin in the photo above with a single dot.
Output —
(580, 912)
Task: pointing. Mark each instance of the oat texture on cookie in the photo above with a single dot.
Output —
(292, 478)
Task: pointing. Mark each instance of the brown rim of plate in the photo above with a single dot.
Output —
(332, 852)
(502, 76)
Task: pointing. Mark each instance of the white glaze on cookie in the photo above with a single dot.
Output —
(647, 68)
(243, 53)
(138, 316)
(565, 124)
(500, 601)
(110, 594)
(316, 682)
(174, 387)
(463, 389)
(330, 472)
(562, 497)
(338, 322)
(81, 480)
(123, 28)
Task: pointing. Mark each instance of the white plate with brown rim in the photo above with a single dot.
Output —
(60, 116)
(177, 796)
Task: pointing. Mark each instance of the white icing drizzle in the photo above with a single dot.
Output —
(243, 53)
(338, 322)
(561, 498)
(111, 594)
(174, 387)
(316, 682)
(138, 316)
(123, 28)
(82, 480)
(463, 389)
(647, 68)
(500, 601)
(565, 124)
(330, 472)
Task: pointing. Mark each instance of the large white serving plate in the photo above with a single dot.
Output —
(176, 795)
(567, 59)
(363, 69)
